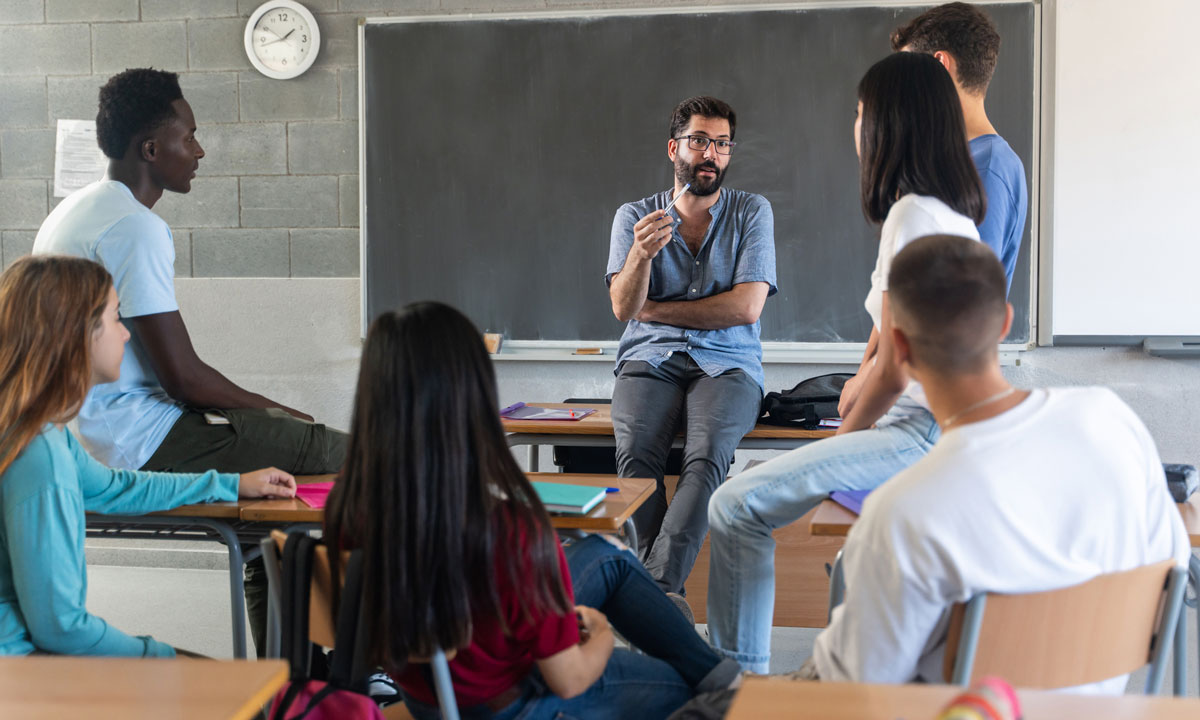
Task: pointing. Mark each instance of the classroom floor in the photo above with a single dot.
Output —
(188, 606)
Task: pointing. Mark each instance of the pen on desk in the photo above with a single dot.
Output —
(611, 490)
(671, 204)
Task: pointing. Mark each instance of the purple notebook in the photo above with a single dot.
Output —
(521, 411)
(852, 500)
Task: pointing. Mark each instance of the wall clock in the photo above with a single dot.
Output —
(282, 39)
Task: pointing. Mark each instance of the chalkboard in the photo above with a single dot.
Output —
(496, 152)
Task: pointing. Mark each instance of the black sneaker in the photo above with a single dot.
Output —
(382, 689)
(682, 603)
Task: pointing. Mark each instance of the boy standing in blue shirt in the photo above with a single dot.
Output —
(963, 38)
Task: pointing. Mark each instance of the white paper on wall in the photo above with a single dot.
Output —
(78, 160)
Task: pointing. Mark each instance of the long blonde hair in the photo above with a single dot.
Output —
(50, 307)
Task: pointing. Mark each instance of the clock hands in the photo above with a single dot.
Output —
(278, 38)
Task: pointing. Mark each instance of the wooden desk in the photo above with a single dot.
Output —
(597, 430)
(132, 688)
(779, 698)
(833, 520)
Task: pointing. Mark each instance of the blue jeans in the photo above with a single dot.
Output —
(677, 663)
(748, 508)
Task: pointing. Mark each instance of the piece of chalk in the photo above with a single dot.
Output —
(589, 351)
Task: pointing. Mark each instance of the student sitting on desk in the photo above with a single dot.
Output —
(690, 285)
(917, 179)
(156, 416)
(459, 552)
(1025, 491)
(59, 336)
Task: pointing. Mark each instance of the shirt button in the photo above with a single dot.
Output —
(669, 353)
(697, 262)
(693, 289)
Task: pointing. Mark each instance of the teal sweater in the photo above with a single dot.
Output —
(43, 572)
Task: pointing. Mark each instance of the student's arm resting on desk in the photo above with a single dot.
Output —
(883, 385)
(184, 375)
(572, 671)
(741, 305)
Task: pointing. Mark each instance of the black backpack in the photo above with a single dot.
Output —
(806, 404)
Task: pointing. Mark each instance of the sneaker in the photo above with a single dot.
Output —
(382, 689)
(682, 603)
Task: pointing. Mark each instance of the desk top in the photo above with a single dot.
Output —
(780, 698)
(600, 423)
(833, 520)
(132, 688)
(609, 516)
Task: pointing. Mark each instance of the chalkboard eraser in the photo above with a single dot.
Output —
(588, 351)
(492, 342)
(1172, 346)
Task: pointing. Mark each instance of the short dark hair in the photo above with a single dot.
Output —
(133, 103)
(947, 295)
(914, 139)
(704, 106)
(964, 31)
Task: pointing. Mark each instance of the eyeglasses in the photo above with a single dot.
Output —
(700, 143)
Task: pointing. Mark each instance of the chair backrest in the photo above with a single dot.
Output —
(1108, 626)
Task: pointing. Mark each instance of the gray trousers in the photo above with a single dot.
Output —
(649, 406)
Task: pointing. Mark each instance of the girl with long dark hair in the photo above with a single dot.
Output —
(60, 334)
(459, 553)
(917, 179)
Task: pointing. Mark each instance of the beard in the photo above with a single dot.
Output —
(702, 187)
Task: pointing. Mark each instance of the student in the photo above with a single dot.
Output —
(59, 336)
(964, 40)
(169, 411)
(459, 552)
(1025, 491)
(690, 286)
(917, 179)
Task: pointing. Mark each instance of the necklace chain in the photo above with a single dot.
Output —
(975, 406)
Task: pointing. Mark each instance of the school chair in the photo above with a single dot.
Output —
(283, 550)
(1108, 626)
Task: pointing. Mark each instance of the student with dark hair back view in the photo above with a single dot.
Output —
(964, 40)
(155, 416)
(459, 553)
(917, 178)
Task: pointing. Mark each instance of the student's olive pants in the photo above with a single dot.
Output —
(253, 439)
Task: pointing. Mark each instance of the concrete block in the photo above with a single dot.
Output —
(45, 50)
(312, 96)
(24, 102)
(117, 46)
(495, 6)
(15, 244)
(13, 12)
(290, 202)
(240, 253)
(74, 98)
(212, 203)
(245, 7)
(183, 252)
(325, 253)
(367, 7)
(27, 153)
(348, 87)
(188, 9)
(58, 11)
(244, 149)
(321, 148)
(24, 204)
(339, 40)
(213, 96)
(217, 44)
(348, 200)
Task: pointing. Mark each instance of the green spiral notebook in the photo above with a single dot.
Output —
(569, 499)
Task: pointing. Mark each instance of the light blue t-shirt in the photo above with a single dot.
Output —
(44, 494)
(1003, 177)
(124, 422)
(738, 248)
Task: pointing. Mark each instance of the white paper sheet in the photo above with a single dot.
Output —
(78, 160)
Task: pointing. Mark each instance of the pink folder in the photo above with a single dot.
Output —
(314, 494)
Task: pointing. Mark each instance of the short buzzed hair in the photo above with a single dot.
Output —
(947, 295)
(964, 31)
(133, 103)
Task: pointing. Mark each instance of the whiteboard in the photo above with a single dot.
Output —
(1125, 248)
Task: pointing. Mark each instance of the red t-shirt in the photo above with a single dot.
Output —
(494, 661)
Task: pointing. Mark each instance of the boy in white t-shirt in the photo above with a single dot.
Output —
(1025, 491)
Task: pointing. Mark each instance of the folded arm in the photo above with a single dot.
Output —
(883, 385)
(741, 305)
(184, 375)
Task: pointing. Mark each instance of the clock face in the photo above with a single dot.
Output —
(282, 39)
